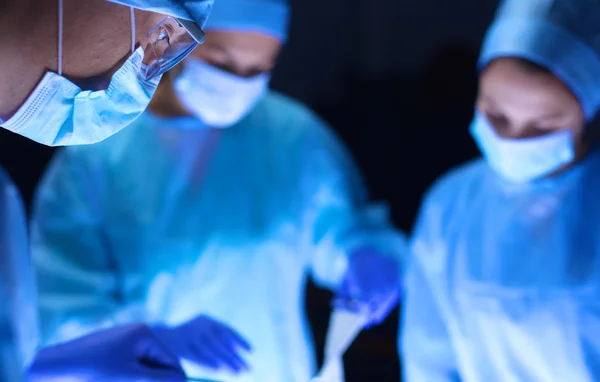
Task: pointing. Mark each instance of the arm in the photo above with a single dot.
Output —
(425, 346)
(80, 285)
(78, 282)
(122, 353)
(340, 217)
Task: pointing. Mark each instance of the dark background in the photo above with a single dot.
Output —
(397, 80)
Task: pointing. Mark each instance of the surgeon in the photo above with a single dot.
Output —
(76, 72)
(219, 202)
(504, 278)
(47, 45)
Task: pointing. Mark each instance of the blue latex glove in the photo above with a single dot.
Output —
(125, 353)
(206, 342)
(372, 283)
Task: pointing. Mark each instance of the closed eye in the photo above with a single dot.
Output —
(497, 120)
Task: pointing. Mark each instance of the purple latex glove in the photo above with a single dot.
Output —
(124, 353)
(206, 342)
(372, 283)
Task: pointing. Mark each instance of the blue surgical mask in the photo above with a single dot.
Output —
(60, 113)
(526, 159)
(216, 97)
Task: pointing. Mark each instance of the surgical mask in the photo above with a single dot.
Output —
(60, 113)
(216, 97)
(526, 159)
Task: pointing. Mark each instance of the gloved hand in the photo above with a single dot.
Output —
(206, 342)
(372, 283)
(124, 353)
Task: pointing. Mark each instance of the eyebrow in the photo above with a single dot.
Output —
(224, 51)
(231, 62)
(552, 115)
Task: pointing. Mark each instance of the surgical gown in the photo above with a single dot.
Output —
(166, 221)
(504, 280)
(18, 316)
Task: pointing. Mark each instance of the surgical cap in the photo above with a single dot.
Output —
(264, 16)
(194, 10)
(563, 36)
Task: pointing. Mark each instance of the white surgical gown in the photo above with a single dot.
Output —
(164, 222)
(18, 325)
(504, 280)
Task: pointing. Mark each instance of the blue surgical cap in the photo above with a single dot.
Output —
(193, 10)
(563, 36)
(264, 16)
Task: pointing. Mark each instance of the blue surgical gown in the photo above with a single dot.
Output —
(167, 221)
(503, 283)
(18, 315)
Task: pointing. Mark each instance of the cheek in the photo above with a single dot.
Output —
(579, 132)
(480, 105)
(579, 126)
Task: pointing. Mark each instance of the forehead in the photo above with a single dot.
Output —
(506, 83)
(242, 41)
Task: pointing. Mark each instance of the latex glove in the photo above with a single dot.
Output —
(206, 342)
(125, 353)
(372, 283)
